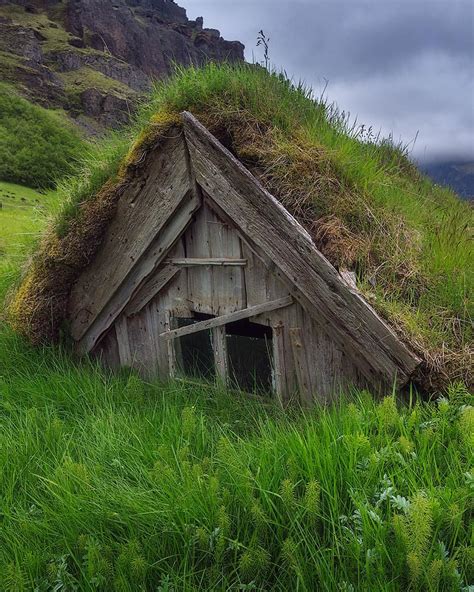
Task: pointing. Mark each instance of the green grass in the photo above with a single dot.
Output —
(37, 146)
(111, 484)
(23, 214)
(84, 78)
(108, 483)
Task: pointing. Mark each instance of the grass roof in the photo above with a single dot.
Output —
(366, 205)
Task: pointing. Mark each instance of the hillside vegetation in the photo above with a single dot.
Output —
(365, 204)
(110, 484)
(37, 145)
(23, 214)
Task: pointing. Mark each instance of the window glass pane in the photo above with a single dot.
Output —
(250, 354)
(194, 353)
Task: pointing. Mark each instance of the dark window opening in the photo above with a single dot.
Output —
(194, 353)
(250, 356)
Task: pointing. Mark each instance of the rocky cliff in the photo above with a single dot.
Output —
(93, 58)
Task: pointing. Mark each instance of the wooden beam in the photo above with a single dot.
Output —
(150, 288)
(246, 313)
(301, 365)
(142, 212)
(219, 344)
(216, 261)
(264, 221)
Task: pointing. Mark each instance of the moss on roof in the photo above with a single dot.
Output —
(366, 205)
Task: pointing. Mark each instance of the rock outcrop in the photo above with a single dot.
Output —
(94, 58)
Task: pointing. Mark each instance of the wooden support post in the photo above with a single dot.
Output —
(301, 365)
(279, 381)
(170, 348)
(219, 345)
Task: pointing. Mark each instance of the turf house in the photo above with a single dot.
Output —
(192, 259)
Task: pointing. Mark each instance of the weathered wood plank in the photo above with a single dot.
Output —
(197, 246)
(256, 276)
(228, 286)
(279, 366)
(159, 323)
(301, 365)
(349, 277)
(216, 262)
(151, 287)
(262, 219)
(229, 318)
(177, 289)
(219, 344)
(141, 214)
(142, 343)
(142, 269)
(123, 342)
(107, 351)
(170, 347)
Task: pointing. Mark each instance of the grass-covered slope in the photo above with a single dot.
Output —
(107, 484)
(366, 206)
(23, 214)
(37, 145)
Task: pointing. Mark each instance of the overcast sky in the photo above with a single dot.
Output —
(404, 66)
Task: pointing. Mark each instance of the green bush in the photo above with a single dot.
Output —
(37, 146)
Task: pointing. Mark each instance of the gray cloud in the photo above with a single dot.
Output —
(404, 66)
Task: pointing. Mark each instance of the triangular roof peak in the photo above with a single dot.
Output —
(154, 213)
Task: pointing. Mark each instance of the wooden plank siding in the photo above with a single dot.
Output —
(160, 191)
(149, 314)
(150, 260)
(198, 234)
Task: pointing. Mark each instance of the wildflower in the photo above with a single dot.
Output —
(287, 494)
(312, 499)
(406, 445)
(254, 563)
(289, 553)
(387, 413)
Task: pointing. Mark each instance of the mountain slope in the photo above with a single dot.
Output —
(94, 58)
(457, 175)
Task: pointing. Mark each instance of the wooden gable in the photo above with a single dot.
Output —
(199, 234)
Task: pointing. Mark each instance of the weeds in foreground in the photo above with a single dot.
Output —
(112, 484)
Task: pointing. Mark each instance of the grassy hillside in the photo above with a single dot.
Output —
(37, 146)
(110, 484)
(366, 206)
(23, 213)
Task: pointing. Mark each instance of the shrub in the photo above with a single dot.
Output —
(37, 146)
